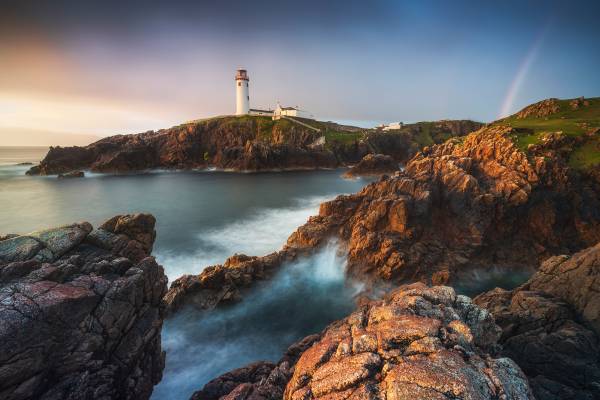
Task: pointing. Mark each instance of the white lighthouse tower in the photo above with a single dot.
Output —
(242, 94)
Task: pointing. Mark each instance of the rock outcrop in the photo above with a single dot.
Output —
(373, 165)
(469, 203)
(551, 326)
(222, 283)
(81, 312)
(73, 174)
(259, 380)
(239, 143)
(417, 343)
(540, 109)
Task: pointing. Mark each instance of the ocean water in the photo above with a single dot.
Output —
(202, 218)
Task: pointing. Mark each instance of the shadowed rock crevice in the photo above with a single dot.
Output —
(551, 326)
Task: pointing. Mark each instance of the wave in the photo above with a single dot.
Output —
(260, 233)
(301, 299)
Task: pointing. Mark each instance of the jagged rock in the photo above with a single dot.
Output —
(470, 202)
(260, 380)
(222, 283)
(540, 109)
(374, 164)
(551, 326)
(79, 321)
(46, 245)
(419, 342)
(579, 102)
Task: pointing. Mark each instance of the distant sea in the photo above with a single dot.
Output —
(11, 155)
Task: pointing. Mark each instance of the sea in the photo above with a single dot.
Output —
(203, 217)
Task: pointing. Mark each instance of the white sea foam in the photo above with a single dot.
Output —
(260, 233)
(302, 298)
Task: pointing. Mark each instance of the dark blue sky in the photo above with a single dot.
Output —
(144, 64)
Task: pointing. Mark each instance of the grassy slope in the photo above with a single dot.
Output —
(570, 122)
(265, 127)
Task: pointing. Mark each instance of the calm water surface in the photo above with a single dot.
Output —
(202, 218)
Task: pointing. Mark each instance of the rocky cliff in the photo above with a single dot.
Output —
(417, 343)
(244, 143)
(472, 203)
(551, 326)
(81, 312)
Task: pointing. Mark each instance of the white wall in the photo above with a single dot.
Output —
(242, 96)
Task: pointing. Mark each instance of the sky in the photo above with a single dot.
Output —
(72, 71)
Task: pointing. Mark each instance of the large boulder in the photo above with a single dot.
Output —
(81, 320)
(419, 342)
(223, 283)
(551, 326)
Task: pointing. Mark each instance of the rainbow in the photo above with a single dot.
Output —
(517, 82)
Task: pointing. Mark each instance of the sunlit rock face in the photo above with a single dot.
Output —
(419, 342)
(243, 144)
(551, 326)
(470, 203)
(81, 312)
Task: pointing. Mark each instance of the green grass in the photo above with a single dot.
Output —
(342, 137)
(568, 121)
(586, 156)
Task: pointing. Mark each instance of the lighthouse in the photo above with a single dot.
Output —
(242, 94)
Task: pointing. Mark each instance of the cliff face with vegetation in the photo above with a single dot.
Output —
(245, 143)
(570, 127)
(476, 203)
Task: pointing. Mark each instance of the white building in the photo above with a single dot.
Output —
(290, 112)
(391, 126)
(242, 92)
(242, 104)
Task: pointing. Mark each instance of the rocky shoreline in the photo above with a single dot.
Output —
(82, 308)
(463, 205)
(244, 144)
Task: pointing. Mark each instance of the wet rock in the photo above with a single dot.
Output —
(72, 174)
(419, 342)
(260, 380)
(220, 284)
(550, 326)
(78, 321)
